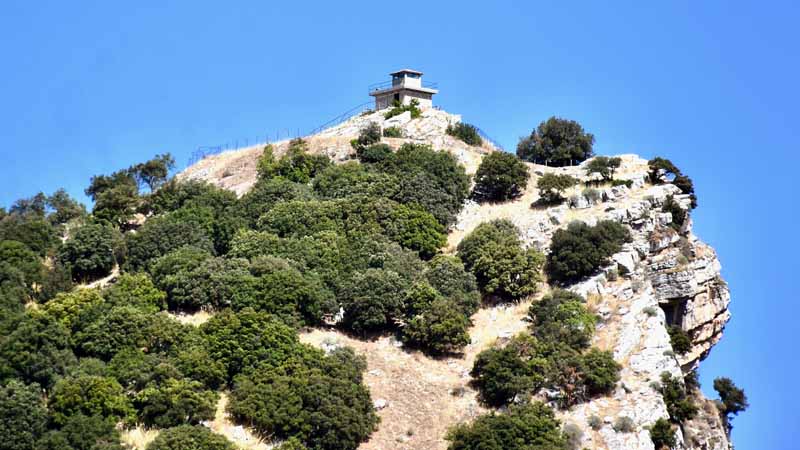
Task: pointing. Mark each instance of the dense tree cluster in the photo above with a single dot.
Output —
(580, 249)
(555, 355)
(556, 142)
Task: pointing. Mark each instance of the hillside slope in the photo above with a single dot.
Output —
(664, 277)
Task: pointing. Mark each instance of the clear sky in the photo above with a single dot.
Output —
(90, 87)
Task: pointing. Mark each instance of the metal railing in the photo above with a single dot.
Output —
(342, 117)
(487, 138)
(387, 84)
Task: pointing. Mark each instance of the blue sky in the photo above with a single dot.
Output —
(90, 87)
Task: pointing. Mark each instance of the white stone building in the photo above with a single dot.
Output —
(406, 85)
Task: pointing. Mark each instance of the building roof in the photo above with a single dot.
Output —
(406, 71)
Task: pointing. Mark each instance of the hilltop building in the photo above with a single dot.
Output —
(405, 85)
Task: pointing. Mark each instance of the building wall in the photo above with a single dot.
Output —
(384, 101)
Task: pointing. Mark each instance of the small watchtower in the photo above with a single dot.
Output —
(406, 85)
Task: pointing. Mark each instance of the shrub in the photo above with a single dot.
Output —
(501, 374)
(592, 195)
(161, 235)
(392, 132)
(136, 290)
(624, 424)
(373, 300)
(595, 422)
(295, 165)
(552, 186)
(523, 427)
(92, 251)
(626, 183)
(369, 135)
(580, 250)
(562, 316)
(650, 311)
(465, 132)
(352, 178)
(573, 434)
(175, 402)
(502, 268)
(67, 307)
(376, 153)
(679, 215)
(439, 328)
(500, 176)
(661, 168)
(679, 403)
(81, 432)
(309, 399)
(662, 434)
(22, 260)
(680, 340)
(398, 109)
(23, 415)
(732, 400)
(604, 166)
(449, 277)
(195, 437)
(557, 142)
(242, 340)
(266, 194)
(89, 395)
(36, 351)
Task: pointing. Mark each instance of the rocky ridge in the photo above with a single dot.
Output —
(664, 277)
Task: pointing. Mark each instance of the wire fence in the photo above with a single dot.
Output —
(205, 151)
(487, 138)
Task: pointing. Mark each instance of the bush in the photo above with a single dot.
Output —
(369, 135)
(679, 403)
(317, 400)
(662, 435)
(392, 132)
(502, 268)
(23, 415)
(81, 432)
(174, 402)
(352, 178)
(592, 195)
(679, 215)
(375, 153)
(295, 165)
(604, 166)
(501, 374)
(626, 183)
(580, 250)
(373, 300)
(527, 426)
(552, 186)
(89, 395)
(161, 235)
(680, 340)
(136, 290)
(92, 252)
(185, 437)
(500, 176)
(624, 424)
(398, 109)
(448, 276)
(595, 422)
(36, 351)
(557, 142)
(242, 340)
(439, 328)
(562, 316)
(265, 195)
(465, 132)
(23, 261)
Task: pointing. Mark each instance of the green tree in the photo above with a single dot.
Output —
(679, 403)
(556, 142)
(500, 374)
(500, 176)
(26, 262)
(23, 415)
(373, 300)
(439, 328)
(37, 350)
(524, 427)
(562, 316)
(89, 395)
(92, 251)
(64, 208)
(580, 249)
(136, 290)
(242, 340)
(447, 275)
(67, 307)
(369, 135)
(266, 194)
(194, 437)
(81, 432)
(662, 434)
(732, 400)
(465, 132)
(680, 340)
(175, 402)
(604, 166)
(493, 252)
(552, 186)
(662, 169)
(161, 235)
(295, 165)
(155, 172)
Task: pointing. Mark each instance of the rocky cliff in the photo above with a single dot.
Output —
(665, 277)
